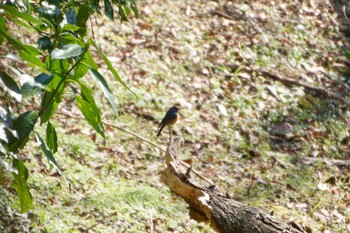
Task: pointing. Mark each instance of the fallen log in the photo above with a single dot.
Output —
(209, 205)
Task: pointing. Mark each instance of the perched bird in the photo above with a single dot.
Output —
(169, 119)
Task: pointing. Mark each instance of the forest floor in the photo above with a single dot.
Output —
(281, 147)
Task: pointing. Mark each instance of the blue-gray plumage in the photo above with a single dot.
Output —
(169, 119)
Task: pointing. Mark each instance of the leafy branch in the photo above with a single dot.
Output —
(59, 85)
(62, 54)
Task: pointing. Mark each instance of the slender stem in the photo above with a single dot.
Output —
(92, 29)
(59, 84)
(51, 98)
(55, 91)
(135, 135)
(160, 148)
(53, 46)
(38, 31)
(148, 141)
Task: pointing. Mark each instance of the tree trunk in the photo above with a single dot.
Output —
(220, 211)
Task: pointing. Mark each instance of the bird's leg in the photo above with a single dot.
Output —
(170, 131)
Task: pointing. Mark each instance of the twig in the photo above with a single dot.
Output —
(338, 82)
(92, 28)
(252, 182)
(135, 135)
(145, 140)
(222, 14)
(87, 230)
(319, 90)
(337, 162)
(272, 92)
(163, 150)
(290, 81)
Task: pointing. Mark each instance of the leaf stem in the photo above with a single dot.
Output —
(59, 84)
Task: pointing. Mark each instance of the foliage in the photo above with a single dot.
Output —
(64, 54)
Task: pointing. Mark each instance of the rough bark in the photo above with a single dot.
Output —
(220, 211)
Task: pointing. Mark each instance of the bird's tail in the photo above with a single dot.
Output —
(160, 130)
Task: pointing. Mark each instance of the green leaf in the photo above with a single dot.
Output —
(109, 9)
(2, 29)
(2, 38)
(51, 11)
(36, 86)
(83, 15)
(44, 43)
(86, 94)
(20, 46)
(65, 65)
(10, 86)
(29, 90)
(7, 134)
(122, 13)
(71, 16)
(21, 186)
(70, 39)
(24, 125)
(49, 109)
(81, 69)
(2, 24)
(3, 128)
(51, 99)
(53, 66)
(48, 154)
(89, 109)
(105, 89)
(89, 61)
(43, 78)
(26, 52)
(126, 9)
(134, 8)
(46, 23)
(96, 6)
(70, 27)
(13, 11)
(26, 19)
(67, 51)
(51, 137)
(3, 150)
(19, 21)
(30, 58)
(85, 63)
(111, 68)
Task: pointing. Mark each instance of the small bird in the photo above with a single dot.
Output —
(169, 119)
